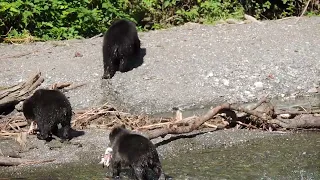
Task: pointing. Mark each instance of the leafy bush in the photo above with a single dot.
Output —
(65, 19)
(59, 19)
(274, 9)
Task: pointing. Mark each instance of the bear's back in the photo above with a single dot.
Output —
(121, 32)
(45, 97)
(45, 101)
(136, 148)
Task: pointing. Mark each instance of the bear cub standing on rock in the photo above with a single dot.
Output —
(135, 151)
(120, 44)
(48, 108)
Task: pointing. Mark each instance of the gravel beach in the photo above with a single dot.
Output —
(187, 66)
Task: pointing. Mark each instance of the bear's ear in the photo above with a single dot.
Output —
(122, 126)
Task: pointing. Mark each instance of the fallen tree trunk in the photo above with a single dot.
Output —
(8, 161)
(301, 121)
(264, 119)
(173, 128)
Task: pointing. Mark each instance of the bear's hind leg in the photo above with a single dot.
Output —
(109, 64)
(109, 71)
(123, 64)
(116, 169)
(139, 173)
(137, 46)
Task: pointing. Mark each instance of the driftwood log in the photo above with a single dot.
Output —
(267, 120)
(11, 96)
(188, 125)
(305, 121)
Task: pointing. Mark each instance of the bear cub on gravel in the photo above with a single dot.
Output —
(120, 45)
(135, 151)
(48, 108)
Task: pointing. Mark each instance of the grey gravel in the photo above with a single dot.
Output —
(186, 66)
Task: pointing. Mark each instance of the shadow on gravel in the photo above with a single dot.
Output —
(137, 60)
(75, 133)
(72, 134)
(173, 138)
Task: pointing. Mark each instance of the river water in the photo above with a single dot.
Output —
(279, 157)
(294, 156)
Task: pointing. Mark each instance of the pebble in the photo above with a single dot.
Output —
(209, 75)
(258, 85)
(286, 116)
(225, 82)
(313, 90)
(247, 92)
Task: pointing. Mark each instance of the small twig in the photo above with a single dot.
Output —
(74, 87)
(17, 126)
(13, 128)
(98, 35)
(102, 112)
(302, 108)
(280, 132)
(262, 100)
(8, 122)
(247, 125)
(304, 10)
(210, 125)
(7, 32)
(170, 18)
(59, 85)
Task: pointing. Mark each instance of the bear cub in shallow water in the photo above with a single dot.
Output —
(48, 108)
(120, 45)
(135, 151)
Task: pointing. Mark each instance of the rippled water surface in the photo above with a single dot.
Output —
(293, 157)
(282, 157)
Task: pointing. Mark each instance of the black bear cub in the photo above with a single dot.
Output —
(135, 151)
(120, 44)
(48, 108)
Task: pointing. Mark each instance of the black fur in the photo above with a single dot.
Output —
(135, 151)
(48, 108)
(120, 44)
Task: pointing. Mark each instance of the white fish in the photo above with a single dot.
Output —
(106, 157)
(33, 127)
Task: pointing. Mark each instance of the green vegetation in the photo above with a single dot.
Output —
(61, 19)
